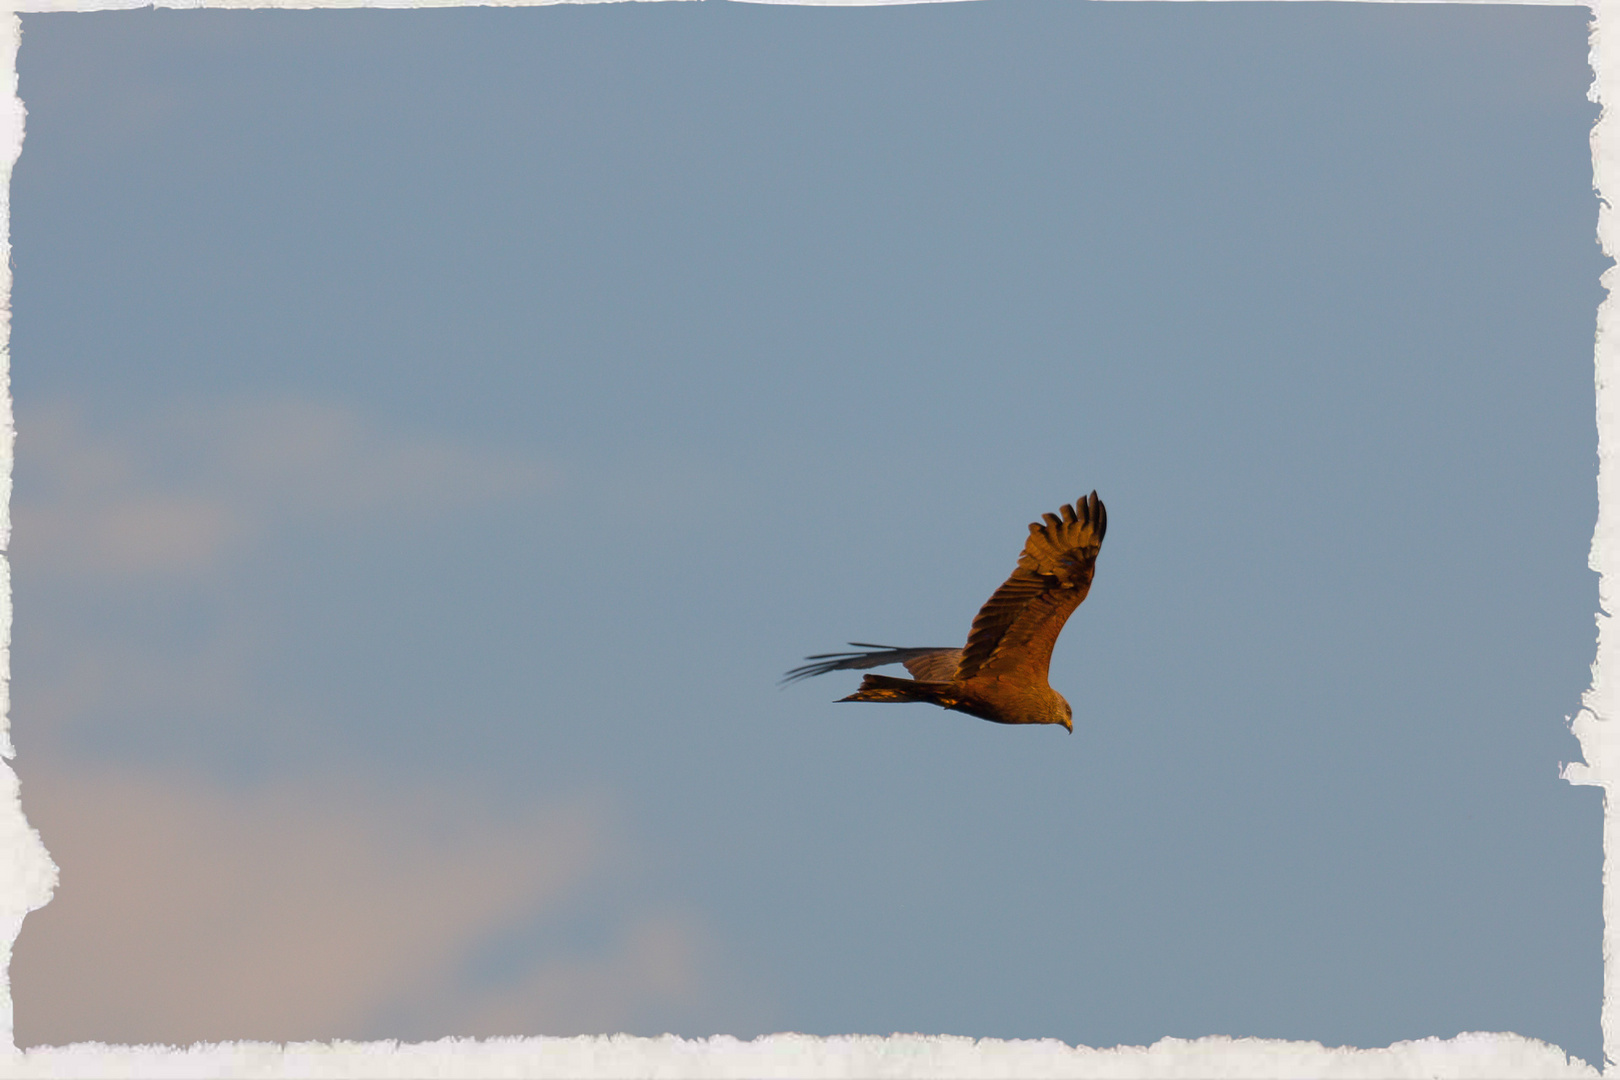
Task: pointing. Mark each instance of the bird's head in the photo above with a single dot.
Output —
(1067, 719)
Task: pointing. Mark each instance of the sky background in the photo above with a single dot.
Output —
(439, 430)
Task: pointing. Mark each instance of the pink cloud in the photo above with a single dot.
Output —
(315, 909)
(208, 479)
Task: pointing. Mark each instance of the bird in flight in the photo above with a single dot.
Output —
(1000, 674)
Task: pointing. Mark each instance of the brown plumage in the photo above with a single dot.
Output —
(1000, 675)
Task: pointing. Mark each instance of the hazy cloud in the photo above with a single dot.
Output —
(655, 959)
(176, 495)
(319, 909)
(290, 909)
(112, 680)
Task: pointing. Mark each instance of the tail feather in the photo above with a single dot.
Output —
(889, 688)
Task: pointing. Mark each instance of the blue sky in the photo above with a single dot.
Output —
(439, 430)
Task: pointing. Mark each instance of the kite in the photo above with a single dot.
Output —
(1000, 674)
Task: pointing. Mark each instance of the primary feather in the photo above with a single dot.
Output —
(937, 663)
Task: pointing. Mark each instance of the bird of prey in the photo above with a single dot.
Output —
(1000, 674)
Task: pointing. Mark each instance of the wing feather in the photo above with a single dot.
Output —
(938, 665)
(1015, 630)
(928, 664)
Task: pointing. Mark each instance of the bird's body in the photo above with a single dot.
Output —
(1000, 674)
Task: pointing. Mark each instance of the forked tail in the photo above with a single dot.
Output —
(889, 688)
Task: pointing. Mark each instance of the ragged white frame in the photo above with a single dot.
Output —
(27, 875)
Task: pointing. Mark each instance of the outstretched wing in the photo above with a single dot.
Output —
(1014, 632)
(930, 665)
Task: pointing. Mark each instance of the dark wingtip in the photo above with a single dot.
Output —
(803, 671)
(822, 663)
(871, 655)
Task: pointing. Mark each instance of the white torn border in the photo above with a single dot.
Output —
(28, 877)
